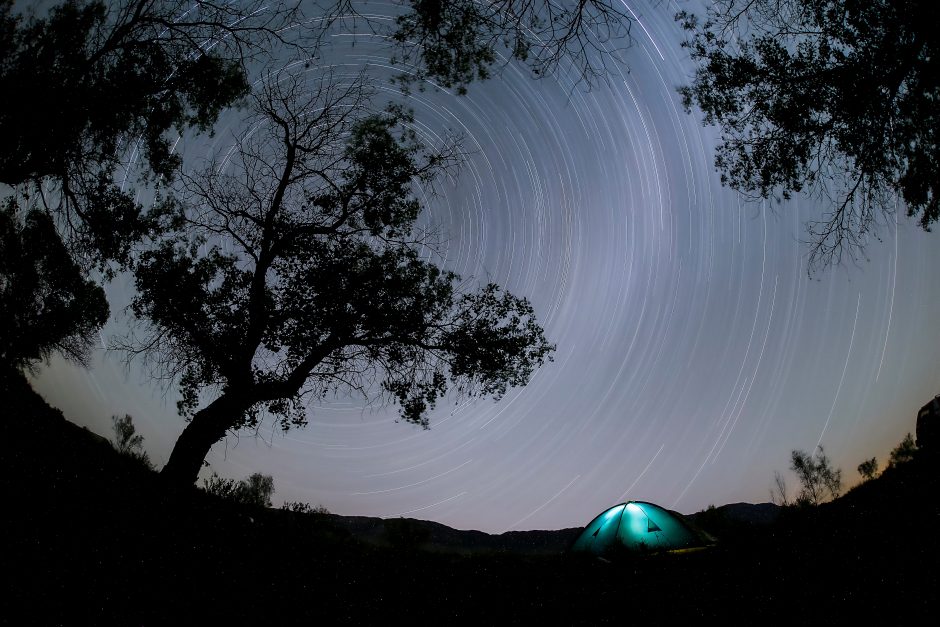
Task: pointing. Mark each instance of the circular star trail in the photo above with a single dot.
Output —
(694, 352)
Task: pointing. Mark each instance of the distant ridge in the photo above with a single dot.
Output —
(742, 513)
(434, 536)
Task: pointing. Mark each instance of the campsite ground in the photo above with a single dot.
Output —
(90, 537)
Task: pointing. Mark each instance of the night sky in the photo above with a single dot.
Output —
(694, 352)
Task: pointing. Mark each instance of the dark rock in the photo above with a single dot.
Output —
(928, 421)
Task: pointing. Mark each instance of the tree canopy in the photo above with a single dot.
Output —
(868, 469)
(87, 81)
(298, 272)
(837, 98)
(46, 303)
(904, 452)
(819, 481)
(457, 42)
(84, 84)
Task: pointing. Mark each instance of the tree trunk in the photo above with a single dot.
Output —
(207, 427)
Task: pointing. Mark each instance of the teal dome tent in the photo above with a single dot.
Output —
(639, 526)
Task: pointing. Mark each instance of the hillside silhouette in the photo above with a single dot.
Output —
(93, 537)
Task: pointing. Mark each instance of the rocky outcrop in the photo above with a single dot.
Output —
(928, 421)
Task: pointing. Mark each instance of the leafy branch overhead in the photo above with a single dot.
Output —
(456, 42)
(87, 81)
(834, 98)
(47, 305)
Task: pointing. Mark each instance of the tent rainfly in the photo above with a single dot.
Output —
(639, 526)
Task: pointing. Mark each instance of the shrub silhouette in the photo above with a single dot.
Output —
(128, 442)
(868, 469)
(819, 481)
(300, 507)
(903, 452)
(255, 490)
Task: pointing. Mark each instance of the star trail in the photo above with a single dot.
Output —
(694, 351)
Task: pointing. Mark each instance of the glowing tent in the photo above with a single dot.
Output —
(639, 526)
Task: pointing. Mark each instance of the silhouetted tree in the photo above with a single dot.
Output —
(456, 42)
(46, 304)
(301, 273)
(833, 97)
(779, 495)
(868, 469)
(128, 442)
(82, 84)
(903, 452)
(88, 80)
(819, 481)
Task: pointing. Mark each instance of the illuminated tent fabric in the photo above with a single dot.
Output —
(638, 526)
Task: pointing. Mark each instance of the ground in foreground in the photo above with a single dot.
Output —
(90, 537)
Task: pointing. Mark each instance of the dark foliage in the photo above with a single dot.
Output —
(819, 481)
(868, 469)
(299, 507)
(82, 83)
(904, 452)
(301, 273)
(46, 304)
(453, 43)
(831, 97)
(86, 81)
(256, 490)
(128, 442)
